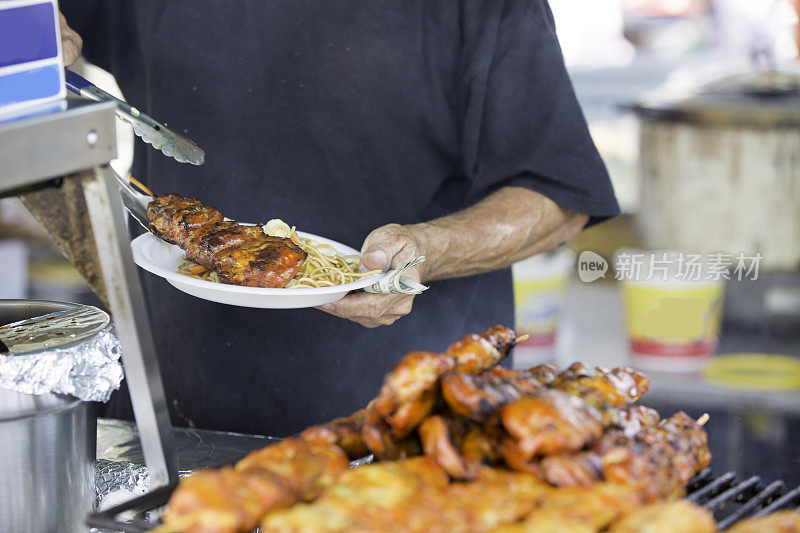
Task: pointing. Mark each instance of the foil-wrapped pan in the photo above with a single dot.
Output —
(73, 352)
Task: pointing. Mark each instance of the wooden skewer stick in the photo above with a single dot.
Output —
(522, 338)
(703, 419)
(141, 186)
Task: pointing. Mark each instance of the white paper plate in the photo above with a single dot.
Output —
(162, 259)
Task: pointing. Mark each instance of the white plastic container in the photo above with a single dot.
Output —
(540, 293)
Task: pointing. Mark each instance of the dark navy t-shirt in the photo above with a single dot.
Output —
(337, 116)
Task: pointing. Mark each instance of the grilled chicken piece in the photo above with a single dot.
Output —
(583, 468)
(223, 501)
(235, 499)
(177, 219)
(410, 389)
(496, 497)
(660, 460)
(551, 421)
(516, 459)
(545, 374)
(263, 262)
(378, 437)
(778, 522)
(616, 387)
(459, 446)
(345, 432)
(478, 397)
(415, 376)
(475, 353)
(305, 468)
(481, 444)
(240, 255)
(363, 499)
(677, 516)
(578, 510)
(632, 419)
(441, 440)
(413, 496)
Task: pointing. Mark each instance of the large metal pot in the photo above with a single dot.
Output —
(48, 449)
(721, 169)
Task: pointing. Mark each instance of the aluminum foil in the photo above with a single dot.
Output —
(115, 478)
(90, 370)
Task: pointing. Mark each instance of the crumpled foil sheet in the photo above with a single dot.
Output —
(113, 476)
(90, 371)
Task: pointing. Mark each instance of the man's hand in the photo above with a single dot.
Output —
(385, 248)
(71, 43)
(510, 224)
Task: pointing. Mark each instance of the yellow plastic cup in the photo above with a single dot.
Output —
(673, 325)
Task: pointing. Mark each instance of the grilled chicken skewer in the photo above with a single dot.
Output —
(233, 500)
(344, 432)
(579, 404)
(544, 419)
(628, 458)
(578, 510)
(658, 461)
(411, 388)
(478, 397)
(239, 254)
(412, 496)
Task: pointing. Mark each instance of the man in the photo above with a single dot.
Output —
(450, 126)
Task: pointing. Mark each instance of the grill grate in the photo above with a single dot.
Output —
(730, 501)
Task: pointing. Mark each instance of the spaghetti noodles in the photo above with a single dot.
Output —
(323, 267)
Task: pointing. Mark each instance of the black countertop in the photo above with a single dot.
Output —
(118, 441)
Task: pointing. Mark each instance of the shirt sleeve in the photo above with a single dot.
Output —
(90, 19)
(523, 125)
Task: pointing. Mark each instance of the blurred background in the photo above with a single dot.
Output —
(695, 108)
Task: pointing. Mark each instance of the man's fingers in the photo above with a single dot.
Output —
(71, 42)
(371, 310)
(387, 247)
(360, 305)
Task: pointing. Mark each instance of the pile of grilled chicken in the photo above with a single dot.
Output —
(464, 445)
(239, 254)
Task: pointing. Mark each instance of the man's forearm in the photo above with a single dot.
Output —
(509, 225)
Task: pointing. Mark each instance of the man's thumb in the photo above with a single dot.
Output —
(375, 258)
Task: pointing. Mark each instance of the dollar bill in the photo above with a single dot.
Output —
(394, 282)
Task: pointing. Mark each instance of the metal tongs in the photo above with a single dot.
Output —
(135, 202)
(150, 131)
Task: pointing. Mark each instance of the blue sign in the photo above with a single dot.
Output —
(31, 65)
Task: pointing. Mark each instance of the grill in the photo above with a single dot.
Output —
(731, 500)
(727, 497)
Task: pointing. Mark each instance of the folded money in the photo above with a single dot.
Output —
(394, 282)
